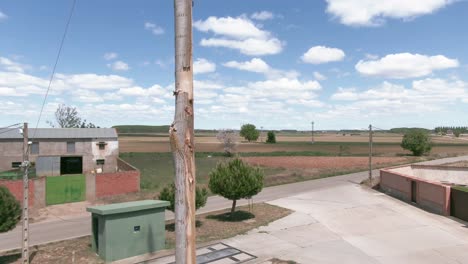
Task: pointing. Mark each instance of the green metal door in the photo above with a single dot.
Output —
(65, 189)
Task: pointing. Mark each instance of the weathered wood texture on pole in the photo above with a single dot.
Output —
(182, 135)
(25, 215)
(370, 154)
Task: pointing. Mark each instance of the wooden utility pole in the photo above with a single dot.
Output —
(312, 132)
(370, 155)
(25, 166)
(182, 135)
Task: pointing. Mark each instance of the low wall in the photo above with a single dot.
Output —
(458, 203)
(108, 184)
(432, 196)
(396, 184)
(16, 188)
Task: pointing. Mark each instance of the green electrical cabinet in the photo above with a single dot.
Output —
(129, 229)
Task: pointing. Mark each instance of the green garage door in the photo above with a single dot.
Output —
(65, 189)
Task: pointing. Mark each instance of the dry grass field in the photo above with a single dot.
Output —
(329, 144)
(293, 158)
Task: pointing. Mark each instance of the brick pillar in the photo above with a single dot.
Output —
(90, 187)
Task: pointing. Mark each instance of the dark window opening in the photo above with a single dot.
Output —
(100, 162)
(136, 229)
(102, 145)
(70, 147)
(16, 164)
(71, 165)
(35, 148)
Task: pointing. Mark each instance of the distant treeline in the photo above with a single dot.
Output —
(455, 130)
(404, 130)
(142, 129)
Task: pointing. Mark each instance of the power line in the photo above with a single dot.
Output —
(17, 124)
(55, 65)
(6, 131)
(26, 164)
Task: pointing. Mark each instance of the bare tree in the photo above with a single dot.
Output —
(230, 139)
(66, 117)
(182, 135)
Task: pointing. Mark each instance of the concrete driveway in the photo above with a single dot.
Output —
(347, 223)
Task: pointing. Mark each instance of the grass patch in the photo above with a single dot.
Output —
(17, 174)
(218, 225)
(460, 188)
(157, 169)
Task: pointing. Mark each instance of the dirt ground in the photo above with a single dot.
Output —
(320, 162)
(210, 227)
(388, 145)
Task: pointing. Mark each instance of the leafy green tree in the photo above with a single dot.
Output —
(417, 141)
(10, 210)
(236, 180)
(168, 194)
(249, 132)
(271, 137)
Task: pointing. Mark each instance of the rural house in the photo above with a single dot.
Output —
(60, 151)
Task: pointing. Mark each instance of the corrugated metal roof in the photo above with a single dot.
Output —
(51, 133)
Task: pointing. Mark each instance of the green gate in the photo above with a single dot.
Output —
(65, 189)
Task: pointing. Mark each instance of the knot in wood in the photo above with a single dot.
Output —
(188, 110)
(176, 92)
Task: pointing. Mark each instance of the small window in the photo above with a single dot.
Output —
(35, 148)
(100, 162)
(102, 145)
(136, 229)
(16, 164)
(70, 147)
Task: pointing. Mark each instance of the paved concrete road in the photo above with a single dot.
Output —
(348, 223)
(46, 232)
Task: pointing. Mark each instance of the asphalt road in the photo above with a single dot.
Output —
(46, 232)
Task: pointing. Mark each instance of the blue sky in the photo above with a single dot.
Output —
(276, 64)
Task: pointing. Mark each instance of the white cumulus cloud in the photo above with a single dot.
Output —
(155, 29)
(263, 15)
(405, 65)
(254, 65)
(110, 56)
(322, 54)
(374, 13)
(318, 76)
(202, 65)
(260, 66)
(238, 33)
(3, 16)
(12, 66)
(118, 66)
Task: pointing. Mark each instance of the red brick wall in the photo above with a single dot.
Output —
(16, 188)
(108, 184)
(430, 195)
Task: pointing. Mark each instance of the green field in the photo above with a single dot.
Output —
(157, 169)
(17, 174)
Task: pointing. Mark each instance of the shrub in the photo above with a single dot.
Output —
(235, 180)
(271, 137)
(249, 132)
(10, 210)
(168, 194)
(417, 141)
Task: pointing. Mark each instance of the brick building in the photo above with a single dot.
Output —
(60, 151)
